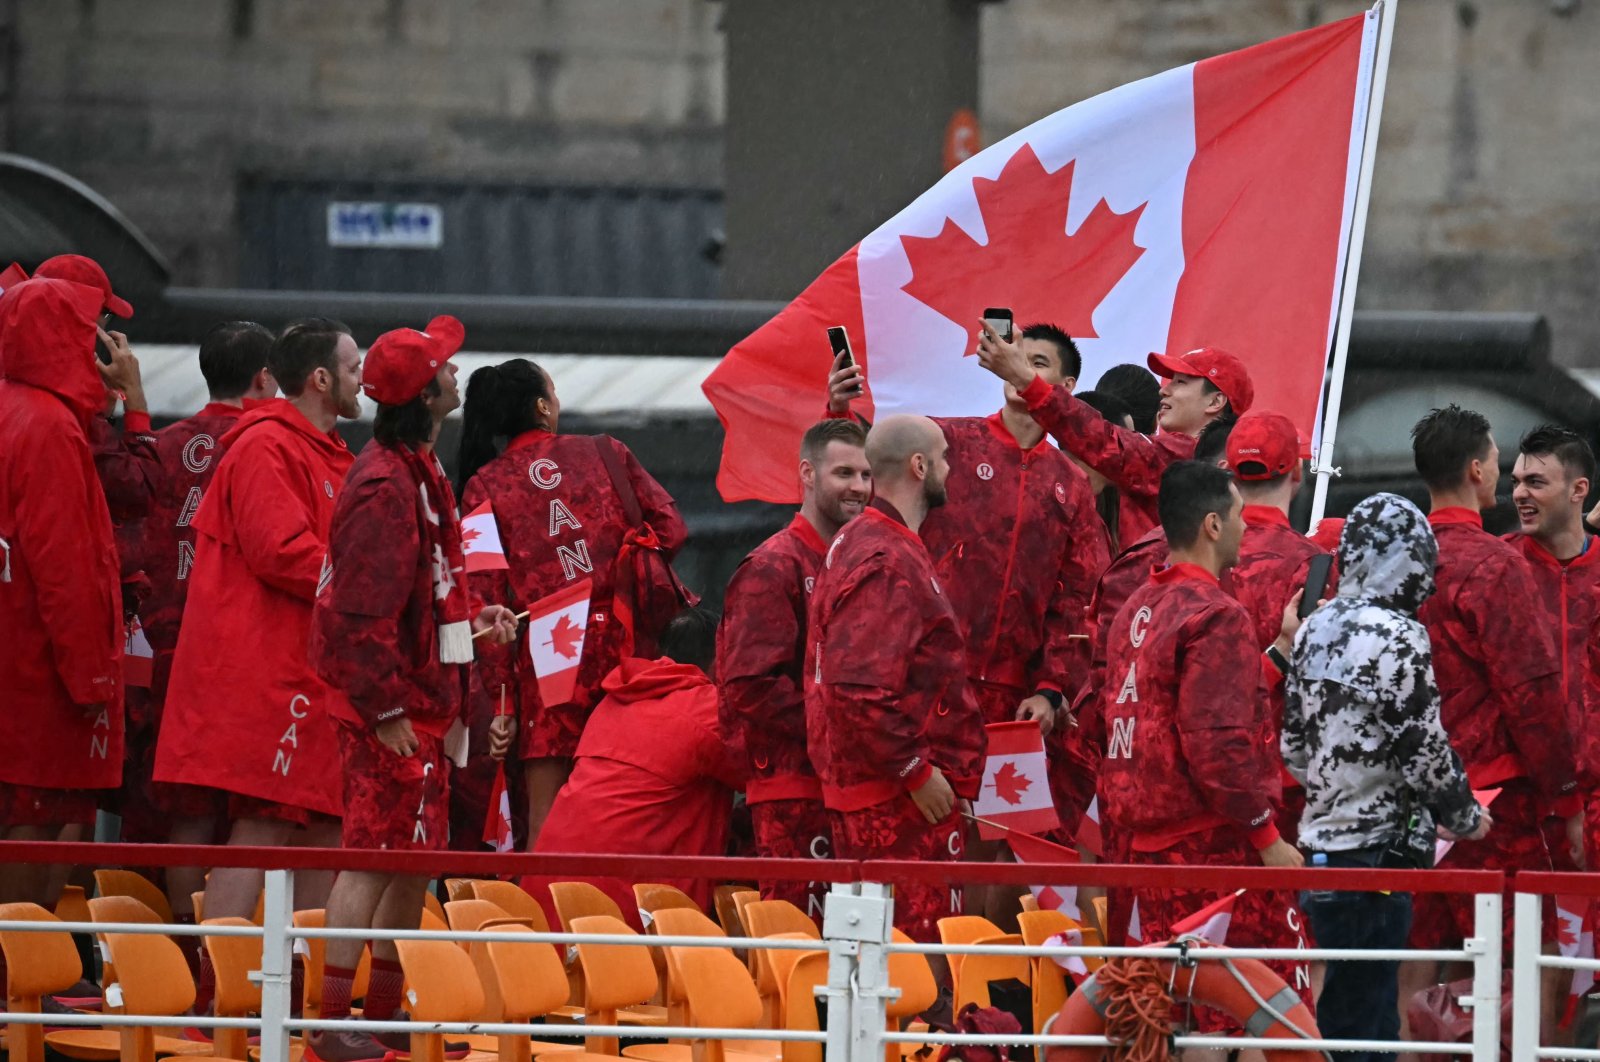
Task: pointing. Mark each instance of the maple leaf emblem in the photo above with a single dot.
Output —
(1567, 933)
(470, 535)
(566, 638)
(1011, 784)
(1029, 262)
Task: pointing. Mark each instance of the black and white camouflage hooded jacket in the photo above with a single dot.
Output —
(1361, 726)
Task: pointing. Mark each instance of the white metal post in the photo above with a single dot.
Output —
(277, 916)
(1323, 467)
(1485, 1000)
(1527, 921)
(855, 927)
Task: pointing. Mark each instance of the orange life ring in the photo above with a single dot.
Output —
(1206, 982)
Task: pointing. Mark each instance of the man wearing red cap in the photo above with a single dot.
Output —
(1186, 772)
(891, 723)
(761, 648)
(1264, 454)
(392, 634)
(245, 712)
(1499, 678)
(1201, 386)
(60, 601)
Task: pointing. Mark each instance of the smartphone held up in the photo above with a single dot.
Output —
(843, 356)
(999, 319)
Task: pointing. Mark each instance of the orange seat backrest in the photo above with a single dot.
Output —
(972, 985)
(718, 988)
(432, 922)
(722, 900)
(442, 983)
(233, 958)
(153, 974)
(531, 978)
(141, 888)
(37, 963)
(741, 901)
(615, 975)
(911, 974)
(768, 918)
(467, 915)
(514, 901)
(458, 888)
(72, 905)
(431, 902)
(963, 929)
(653, 898)
(800, 1004)
(124, 909)
(681, 922)
(579, 899)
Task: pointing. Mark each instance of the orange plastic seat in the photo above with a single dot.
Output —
(770, 918)
(720, 994)
(653, 898)
(513, 900)
(808, 972)
(443, 986)
(458, 888)
(73, 904)
(1049, 979)
(236, 996)
(727, 908)
(1029, 901)
(741, 903)
(432, 922)
(431, 902)
(465, 916)
(155, 981)
(37, 964)
(141, 888)
(526, 980)
(911, 974)
(963, 929)
(614, 975)
(972, 986)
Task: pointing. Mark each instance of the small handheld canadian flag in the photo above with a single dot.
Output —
(1016, 783)
(498, 832)
(1210, 923)
(480, 541)
(1575, 937)
(556, 627)
(1089, 829)
(138, 659)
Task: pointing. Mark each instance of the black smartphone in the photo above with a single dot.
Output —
(839, 340)
(102, 351)
(1316, 583)
(999, 319)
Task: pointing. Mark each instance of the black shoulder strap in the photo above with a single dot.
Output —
(619, 480)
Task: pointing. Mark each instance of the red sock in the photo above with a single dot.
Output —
(336, 984)
(297, 986)
(383, 991)
(206, 988)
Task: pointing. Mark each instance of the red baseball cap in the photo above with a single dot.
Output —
(400, 363)
(85, 271)
(1226, 372)
(1263, 445)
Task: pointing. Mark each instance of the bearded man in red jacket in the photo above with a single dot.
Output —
(893, 729)
(60, 595)
(392, 635)
(761, 650)
(245, 713)
(1186, 772)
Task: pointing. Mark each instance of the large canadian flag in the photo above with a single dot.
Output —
(1016, 783)
(1210, 205)
(556, 627)
(480, 541)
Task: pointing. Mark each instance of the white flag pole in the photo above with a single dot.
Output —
(1323, 468)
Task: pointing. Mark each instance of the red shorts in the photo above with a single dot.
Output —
(1516, 842)
(794, 829)
(241, 806)
(1262, 918)
(395, 802)
(27, 805)
(895, 829)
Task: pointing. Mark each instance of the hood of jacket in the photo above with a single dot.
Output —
(283, 411)
(1387, 553)
(47, 330)
(648, 680)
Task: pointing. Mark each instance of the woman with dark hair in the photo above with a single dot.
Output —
(562, 520)
(1107, 499)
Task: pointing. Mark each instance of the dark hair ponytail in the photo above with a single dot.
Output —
(500, 404)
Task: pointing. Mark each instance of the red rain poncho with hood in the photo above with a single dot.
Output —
(60, 598)
(245, 711)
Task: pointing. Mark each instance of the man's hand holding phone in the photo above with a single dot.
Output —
(845, 383)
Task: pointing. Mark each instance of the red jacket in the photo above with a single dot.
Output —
(188, 453)
(887, 698)
(127, 464)
(1499, 677)
(1185, 750)
(653, 775)
(1018, 546)
(1570, 594)
(245, 711)
(1131, 461)
(761, 651)
(374, 635)
(60, 599)
(560, 522)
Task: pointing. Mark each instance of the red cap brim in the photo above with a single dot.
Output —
(1166, 366)
(118, 306)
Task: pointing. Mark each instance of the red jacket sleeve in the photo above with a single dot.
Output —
(1131, 461)
(1221, 721)
(762, 697)
(1065, 659)
(866, 654)
(127, 464)
(374, 551)
(1524, 673)
(58, 535)
(277, 532)
(660, 511)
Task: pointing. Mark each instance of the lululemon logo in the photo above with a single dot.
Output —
(986, 471)
(811, 584)
(1061, 494)
(327, 487)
